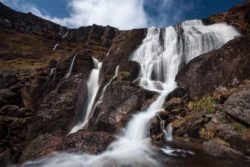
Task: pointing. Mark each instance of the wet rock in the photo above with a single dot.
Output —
(120, 101)
(87, 141)
(221, 149)
(129, 71)
(122, 47)
(238, 106)
(216, 68)
(178, 92)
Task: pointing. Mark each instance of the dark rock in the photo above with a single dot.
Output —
(3, 102)
(177, 92)
(42, 145)
(120, 101)
(16, 87)
(12, 111)
(155, 129)
(131, 69)
(190, 124)
(238, 106)
(122, 47)
(216, 68)
(7, 79)
(221, 149)
(7, 94)
(86, 141)
(52, 63)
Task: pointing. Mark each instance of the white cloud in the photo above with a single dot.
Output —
(123, 14)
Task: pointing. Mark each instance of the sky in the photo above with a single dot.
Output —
(123, 14)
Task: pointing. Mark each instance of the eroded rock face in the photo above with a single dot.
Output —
(121, 100)
(217, 68)
(238, 106)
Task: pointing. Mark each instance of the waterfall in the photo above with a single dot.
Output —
(71, 67)
(160, 56)
(168, 132)
(65, 35)
(55, 46)
(92, 87)
(105, 87)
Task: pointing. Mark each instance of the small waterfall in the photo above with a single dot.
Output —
(92, 86)
(160, 56)
(168, 132)
(65, 35)
(71, 67)
(55, 46)
(105, 87)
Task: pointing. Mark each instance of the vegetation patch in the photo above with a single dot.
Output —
(206, 134)
(122, 75)
(207, 104)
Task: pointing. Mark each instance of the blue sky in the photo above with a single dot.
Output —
(124, 14)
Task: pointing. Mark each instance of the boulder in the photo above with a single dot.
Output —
(221, 149)
(120, 101)
(87, 141)
(216, 68)
(238, 106)
(129, 71)
(190, 124)
(40, 146)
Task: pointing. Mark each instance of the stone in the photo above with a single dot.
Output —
(221, 149)
(206, 72)
(238, 106)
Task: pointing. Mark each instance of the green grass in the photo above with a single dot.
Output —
(123, 75)
(207, 104)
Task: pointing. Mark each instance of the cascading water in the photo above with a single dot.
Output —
(160, 56)
(55, 46)
(100, 100)
(92, 87)
(71, 67)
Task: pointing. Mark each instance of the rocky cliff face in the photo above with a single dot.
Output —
(39, 104)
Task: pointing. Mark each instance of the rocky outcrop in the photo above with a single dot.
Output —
(219, 148)
(237, 16)
(217, 68)
(238, 106)
(122, 47)
(120, 101)
(87, 141)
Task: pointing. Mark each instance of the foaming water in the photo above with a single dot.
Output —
(92, 87)
(164, 50)
(71, 67)
(160, 56)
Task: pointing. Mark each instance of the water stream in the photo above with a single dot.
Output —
(71, 67)
(160, 56)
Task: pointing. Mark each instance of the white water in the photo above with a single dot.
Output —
(65, 35)
(168, 132)
(105, 87)
(92, 87)
(71, 67)
(55, 46)
(160, 62)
